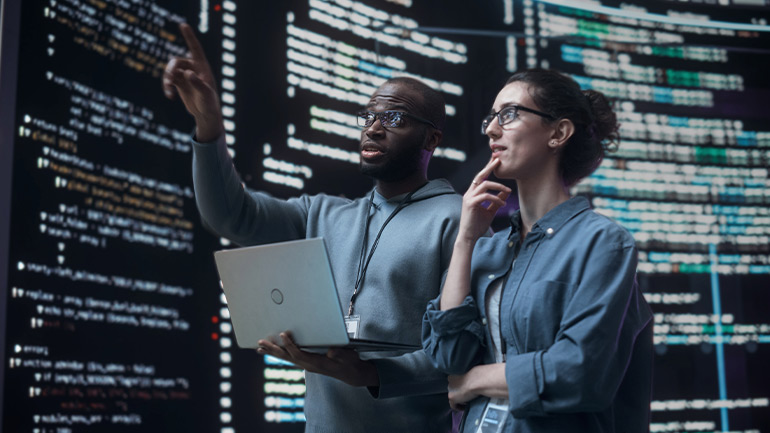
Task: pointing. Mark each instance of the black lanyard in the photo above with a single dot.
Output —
(363, 266)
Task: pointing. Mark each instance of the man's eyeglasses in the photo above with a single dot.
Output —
(507, 115)
(388, 119)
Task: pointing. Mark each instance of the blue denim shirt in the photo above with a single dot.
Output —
(577, 330)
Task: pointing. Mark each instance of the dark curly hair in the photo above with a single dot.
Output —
(596, 126)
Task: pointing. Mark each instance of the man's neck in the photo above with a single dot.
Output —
(403, 186)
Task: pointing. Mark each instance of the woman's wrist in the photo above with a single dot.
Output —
(465, 243)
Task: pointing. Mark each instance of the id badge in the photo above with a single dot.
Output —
(493, 419)
(352, 325)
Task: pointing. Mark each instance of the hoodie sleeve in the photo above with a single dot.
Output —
(234, 212)
(409, 374)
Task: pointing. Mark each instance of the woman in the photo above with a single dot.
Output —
(542, 328)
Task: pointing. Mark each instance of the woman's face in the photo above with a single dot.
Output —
(521, 145)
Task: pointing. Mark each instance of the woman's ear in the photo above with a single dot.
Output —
(562, 132)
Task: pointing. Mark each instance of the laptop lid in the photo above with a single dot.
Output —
(287, 286)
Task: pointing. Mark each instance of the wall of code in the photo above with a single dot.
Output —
(112, 316)
(104, 238)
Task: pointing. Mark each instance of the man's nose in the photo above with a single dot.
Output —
(375, 129)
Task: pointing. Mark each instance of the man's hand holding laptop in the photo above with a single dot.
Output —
(339, 363)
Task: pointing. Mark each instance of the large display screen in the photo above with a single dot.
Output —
(112, 318)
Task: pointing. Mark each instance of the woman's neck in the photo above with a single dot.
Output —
(537, 198)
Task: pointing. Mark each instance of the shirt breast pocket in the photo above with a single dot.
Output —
(537, 311)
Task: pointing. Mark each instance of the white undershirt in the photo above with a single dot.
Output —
(493, 317)
(492, 302)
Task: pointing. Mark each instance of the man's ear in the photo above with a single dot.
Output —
(562, 132)
(433, 140)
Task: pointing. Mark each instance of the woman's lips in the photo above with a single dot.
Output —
(496, 150)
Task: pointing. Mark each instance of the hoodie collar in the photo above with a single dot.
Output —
(433, 188)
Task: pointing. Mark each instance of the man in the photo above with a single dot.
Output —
(389, 250)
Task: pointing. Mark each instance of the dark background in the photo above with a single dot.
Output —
(263, 111)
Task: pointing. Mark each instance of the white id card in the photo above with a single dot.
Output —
(352, 324)
(493, 419)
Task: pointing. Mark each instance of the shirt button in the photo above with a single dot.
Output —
(483, 320)
(549, 232)
(477, 421)
(491, 276)
(510, 244)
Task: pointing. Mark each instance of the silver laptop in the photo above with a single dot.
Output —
(288, 286)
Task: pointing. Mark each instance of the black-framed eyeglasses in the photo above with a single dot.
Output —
(507, 115)
(388, 119)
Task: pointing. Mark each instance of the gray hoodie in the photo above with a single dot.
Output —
(405, 272)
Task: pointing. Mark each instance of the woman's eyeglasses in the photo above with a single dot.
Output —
(507, 115)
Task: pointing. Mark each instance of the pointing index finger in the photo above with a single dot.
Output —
(196, 50)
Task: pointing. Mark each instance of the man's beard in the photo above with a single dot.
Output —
(402, 166)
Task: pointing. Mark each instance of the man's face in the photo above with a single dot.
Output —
(392, 154)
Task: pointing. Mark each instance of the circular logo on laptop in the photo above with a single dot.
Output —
(277, 296)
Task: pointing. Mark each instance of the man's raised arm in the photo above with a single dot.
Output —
(191, 78)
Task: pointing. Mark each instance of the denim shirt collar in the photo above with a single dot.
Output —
(554, 218)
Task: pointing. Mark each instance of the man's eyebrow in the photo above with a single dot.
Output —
(398, 107)
(394, 107)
